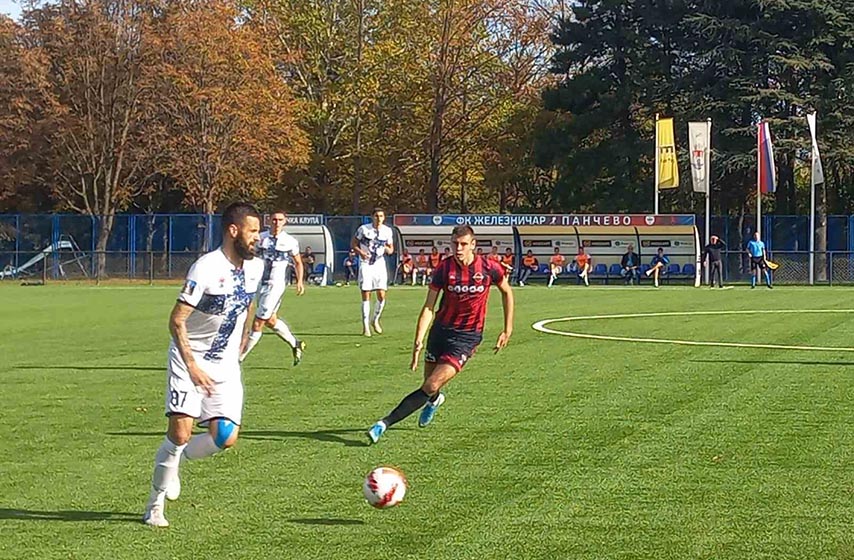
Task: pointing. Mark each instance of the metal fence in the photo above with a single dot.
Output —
(155, 246)
(832, 267)
(162, 246)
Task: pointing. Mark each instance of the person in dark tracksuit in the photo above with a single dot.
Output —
(713, 256)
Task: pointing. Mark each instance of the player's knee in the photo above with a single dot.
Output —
(433, 384)
(224, 432)
(271, 322)
(180, 431)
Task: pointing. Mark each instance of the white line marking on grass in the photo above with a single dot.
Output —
(541, 327)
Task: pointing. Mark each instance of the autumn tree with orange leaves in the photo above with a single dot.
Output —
(225, 121)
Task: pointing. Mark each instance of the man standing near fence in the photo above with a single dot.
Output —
(758, 265)
(713, 260)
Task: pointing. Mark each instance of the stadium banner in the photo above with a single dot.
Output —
(296, 220)
(698, 137)
(668, 168)
(817, 169)
(305, 219)
(582, 220)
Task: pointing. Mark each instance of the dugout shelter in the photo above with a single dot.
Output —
(414, 232)
(605, 238)
(310, 231)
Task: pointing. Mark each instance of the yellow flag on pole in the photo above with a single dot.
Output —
(668, 169)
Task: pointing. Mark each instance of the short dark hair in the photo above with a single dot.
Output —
(277, 211)
(462, 231)
(377, 209)
(237, 212)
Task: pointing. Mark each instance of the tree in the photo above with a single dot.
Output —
(483, 58)
(96, 85)
(23, 105)
(226, 121)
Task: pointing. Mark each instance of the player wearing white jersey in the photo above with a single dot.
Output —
(373, 242)
(279, 250)
(203, 380)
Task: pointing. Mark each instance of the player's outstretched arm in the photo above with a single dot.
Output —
(299, 267)
(424, 320)
(178, 328)
(509, 305)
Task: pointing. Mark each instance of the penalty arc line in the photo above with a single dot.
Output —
(541, 327)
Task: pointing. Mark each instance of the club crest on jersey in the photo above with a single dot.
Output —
(478, 277)
(222, 282)
(189, 287)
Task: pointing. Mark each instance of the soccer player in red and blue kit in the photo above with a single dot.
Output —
(464, 283)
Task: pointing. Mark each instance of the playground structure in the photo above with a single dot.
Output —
(65, 245)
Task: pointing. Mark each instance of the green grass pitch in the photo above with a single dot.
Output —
(556, 448)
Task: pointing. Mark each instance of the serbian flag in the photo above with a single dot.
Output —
(767, 175)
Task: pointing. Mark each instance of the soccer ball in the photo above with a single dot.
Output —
(384, 487)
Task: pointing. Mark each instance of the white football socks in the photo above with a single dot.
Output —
(366, 313)
(201, 446)
(378, 309)
(281, 329)
(166, 463)
(254, 338)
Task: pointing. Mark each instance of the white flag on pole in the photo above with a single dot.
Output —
(817, 170)
(698, 143)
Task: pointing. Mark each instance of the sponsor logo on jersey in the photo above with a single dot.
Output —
(458, 289)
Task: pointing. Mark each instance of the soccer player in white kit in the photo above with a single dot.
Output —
(373, 242)
(203, 381)
(279, 250)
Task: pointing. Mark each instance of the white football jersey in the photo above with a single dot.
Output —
(373, 241)
(220, 294)
(278, 253)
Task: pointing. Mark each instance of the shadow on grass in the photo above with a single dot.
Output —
(780, 362)
(69, 515)
(327, 436)
(310, 335)
(97, 368)
(326, 521)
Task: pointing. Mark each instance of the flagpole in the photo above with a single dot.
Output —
(657, 164)
(812, 209)
(759, 179)
(708, 183)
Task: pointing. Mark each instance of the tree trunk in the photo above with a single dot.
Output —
(357, 160)
(105, 227)
(435, 158)
(821, 233)
(740, 240)
(464, 177)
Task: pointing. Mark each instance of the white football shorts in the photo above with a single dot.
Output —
(373, 277)
(269, 299)
(183, 397)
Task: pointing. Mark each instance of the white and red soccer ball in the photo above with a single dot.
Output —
(384, 487)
